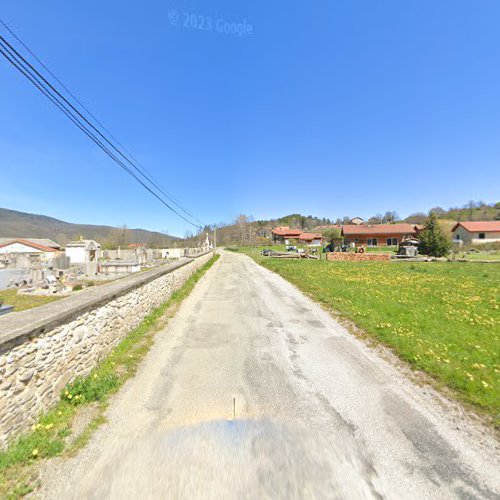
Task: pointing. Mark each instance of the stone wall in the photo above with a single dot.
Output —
(350, 256)
(43, 349)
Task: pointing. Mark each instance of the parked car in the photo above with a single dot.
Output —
(291, 248)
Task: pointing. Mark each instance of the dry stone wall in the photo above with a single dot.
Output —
(43, 349)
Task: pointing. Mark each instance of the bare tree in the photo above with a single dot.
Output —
(120, 236)
(390, 217)
(376, 219)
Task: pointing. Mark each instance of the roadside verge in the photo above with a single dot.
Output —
(70, 423)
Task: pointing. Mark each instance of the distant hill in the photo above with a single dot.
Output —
(247, 231)
(24, 225)
(472, 211)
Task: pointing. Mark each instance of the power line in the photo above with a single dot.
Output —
(90, 124)
(142, 170)
(12, 60)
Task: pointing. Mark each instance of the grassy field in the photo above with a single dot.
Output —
(50, 436)
(479, 256)
(22, 302)
(443, 318)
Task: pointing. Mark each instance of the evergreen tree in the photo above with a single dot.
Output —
(432, 240)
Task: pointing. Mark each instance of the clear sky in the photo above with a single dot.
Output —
(330, 108)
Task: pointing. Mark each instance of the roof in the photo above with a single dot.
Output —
(29, 243)
(310, 236)
(39, 241)
(489, 226)
(286, 231)
(378, 229)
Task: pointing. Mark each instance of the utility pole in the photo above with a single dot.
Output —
(215, 236)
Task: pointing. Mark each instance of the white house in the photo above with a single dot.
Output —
(45, 242)
(357, 221)
(83, 251)
(20, 246)
(476, 233)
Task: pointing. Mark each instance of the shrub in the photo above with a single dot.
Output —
(78, 287)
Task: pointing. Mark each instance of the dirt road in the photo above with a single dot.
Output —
(318, 414)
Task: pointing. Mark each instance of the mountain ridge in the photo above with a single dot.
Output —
(16, 224)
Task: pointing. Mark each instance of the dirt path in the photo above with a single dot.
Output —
(318, 415)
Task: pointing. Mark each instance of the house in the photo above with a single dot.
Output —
(21, 246)
(283, 234)
(311, 239)
(357, 221)
(82, 251)
(476, 233)
(38, 241)
(374, 235)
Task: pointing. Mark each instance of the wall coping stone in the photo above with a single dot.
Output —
(38, 320)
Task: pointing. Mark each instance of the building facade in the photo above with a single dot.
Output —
(21, 246)
(284, 235)
(476, 233)
(374, 235)
(311, 239)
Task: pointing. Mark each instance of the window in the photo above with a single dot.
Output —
(482, 236)
(356, 240)
(372, 242)
(392, 242)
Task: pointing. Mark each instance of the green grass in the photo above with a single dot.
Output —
(441, 317)
(479, 256)
(22, 302)
(48, 438)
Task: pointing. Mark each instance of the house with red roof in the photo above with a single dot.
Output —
(27, 247)
(311, 239)
(285, 235)
(476, 232)
(373, 235)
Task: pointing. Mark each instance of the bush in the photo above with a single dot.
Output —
(90, 283)
(78, 287)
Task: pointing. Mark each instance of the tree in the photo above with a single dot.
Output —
(376, 219)
(416, 218)
(120, 236)
(439, 211)
(390, 217)
(62, 239)
(432, 240)
(331, 235)
(241, 221)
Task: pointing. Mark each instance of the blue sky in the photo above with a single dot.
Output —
(332, 108)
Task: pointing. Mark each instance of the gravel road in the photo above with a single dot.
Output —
(318, 414)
